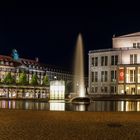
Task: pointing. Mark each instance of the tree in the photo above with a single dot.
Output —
(34, 80)
(9, 79)
(23, 79)
(46, 80)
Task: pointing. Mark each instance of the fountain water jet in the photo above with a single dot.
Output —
(79, 86)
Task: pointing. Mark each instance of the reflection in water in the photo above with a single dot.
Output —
(12, 104)
(138, 106)
(62, 106)
(120, 106)
(115, 106)
(80, 107)
(57, 105)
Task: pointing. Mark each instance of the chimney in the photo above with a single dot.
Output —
(37, 59)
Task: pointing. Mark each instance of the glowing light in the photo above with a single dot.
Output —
(57, 89)
(122, 91)
(79, 68)
(14, 95)
(138, 106)
(122, 105)
(57, 105)
(27, 94)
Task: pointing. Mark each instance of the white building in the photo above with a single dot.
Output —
(116, 70)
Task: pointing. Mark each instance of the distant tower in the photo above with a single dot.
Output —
(15, 55)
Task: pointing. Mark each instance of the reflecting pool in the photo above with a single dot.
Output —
(63, 106)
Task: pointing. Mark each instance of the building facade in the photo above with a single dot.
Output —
(116, 70)
(19, 68)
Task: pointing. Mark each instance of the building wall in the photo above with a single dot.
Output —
(30, 68)
(128, 65)
(102, 84)
(125, 55)
(123, 59)
(125, 42)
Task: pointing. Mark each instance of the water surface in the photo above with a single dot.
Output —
(62, 106)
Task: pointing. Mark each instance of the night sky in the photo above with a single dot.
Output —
(49, 30)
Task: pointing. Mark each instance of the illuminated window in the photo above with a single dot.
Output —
(139, 75)
(95, 61)
(133, 58)
(130, 75)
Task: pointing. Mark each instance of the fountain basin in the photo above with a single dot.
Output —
(81, 100)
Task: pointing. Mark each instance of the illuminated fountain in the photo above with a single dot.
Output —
(79, 85)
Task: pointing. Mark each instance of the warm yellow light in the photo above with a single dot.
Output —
(60, 106)
(138, 106)
(122, 105)
(122, 91)
(57, 89)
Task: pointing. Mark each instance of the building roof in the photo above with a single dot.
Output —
(10, 60)
(112, 49)
(29, 63)
(3, 57)
(129, 35)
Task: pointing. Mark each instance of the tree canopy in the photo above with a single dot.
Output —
(23, 79)
(9, 79)
(46, 80)
(34, 80)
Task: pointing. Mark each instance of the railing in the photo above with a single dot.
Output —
(113, 49)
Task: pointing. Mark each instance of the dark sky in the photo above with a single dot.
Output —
(49, 30)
